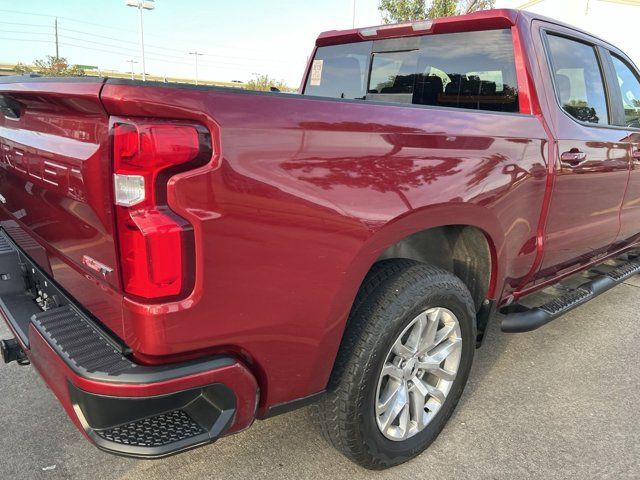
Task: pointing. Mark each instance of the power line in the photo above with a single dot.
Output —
(157, 59)
(125, 48)
(66, 18)
(129, 42)
(119, 29)
(91, 48)
(153, 57)
(25, 40)
(27, 24)
(158, 47)
(26, 33)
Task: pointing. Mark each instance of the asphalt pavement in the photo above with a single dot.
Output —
(561, 402)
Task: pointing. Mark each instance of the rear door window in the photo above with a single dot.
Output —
(578, 79)
(630, 90)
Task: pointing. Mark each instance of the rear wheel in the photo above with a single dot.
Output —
(403, 364)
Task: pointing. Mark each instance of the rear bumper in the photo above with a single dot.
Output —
(123, 407)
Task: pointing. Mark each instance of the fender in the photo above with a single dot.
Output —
(392, 232)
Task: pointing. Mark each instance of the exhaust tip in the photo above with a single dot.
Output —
(12, 352)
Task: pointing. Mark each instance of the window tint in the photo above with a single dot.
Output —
(578, 80)
(630, 89)
(339, 71)
(392, 76)
(468, 70)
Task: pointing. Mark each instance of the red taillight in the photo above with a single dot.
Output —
(156, 253)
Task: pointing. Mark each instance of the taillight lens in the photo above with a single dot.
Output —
(156, 251)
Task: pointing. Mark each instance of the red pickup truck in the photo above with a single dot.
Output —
(177, 261)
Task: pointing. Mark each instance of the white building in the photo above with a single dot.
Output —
(616, 21)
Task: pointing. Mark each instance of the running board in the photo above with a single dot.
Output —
(519, 318)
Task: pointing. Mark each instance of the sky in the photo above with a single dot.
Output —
(238, 38)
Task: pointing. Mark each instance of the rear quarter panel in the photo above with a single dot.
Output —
(304, 196)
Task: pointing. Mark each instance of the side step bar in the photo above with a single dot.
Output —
(519, 318)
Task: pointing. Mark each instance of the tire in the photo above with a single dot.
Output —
(393, 296)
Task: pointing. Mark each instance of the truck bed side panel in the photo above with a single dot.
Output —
(307, 194)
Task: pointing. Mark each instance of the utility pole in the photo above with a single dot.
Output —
(132, 61)
(56, 27)
(353, 25)
(142, 5)
(196, 54)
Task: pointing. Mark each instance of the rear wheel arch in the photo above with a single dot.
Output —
(465, 251)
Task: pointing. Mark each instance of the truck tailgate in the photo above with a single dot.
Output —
(55, 175)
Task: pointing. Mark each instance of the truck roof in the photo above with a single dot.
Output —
(482, 20)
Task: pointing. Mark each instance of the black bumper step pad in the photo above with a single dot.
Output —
(141, 427)
(156, 431)
(94, 354)
(156, 426)
(519, 318)
(81, 343)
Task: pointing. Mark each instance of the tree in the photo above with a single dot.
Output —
(265, 83)
(397, 11)
(50, 67)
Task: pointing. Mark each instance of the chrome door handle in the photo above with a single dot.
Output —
(573, 159)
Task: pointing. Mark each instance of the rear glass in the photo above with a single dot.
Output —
(339, 71)
(474, 70)
(392, 76)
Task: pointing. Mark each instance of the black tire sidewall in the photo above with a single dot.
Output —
(436, 294)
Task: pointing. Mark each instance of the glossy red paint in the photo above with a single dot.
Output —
(57, 374)
(284, 199)
(575, 228)
(301, 197)
(55, 178)
(630, 211)
(483, 20)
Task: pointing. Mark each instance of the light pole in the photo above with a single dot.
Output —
(132, 61)
(196, 54)
(142, 5)
(354, 15)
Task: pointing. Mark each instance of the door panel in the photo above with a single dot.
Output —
(584, 215)
(627, 78)
(592, 162)
(630, 214)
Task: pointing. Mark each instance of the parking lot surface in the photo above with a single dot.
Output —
(561, 402)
